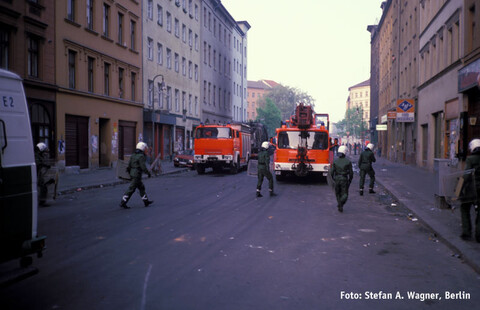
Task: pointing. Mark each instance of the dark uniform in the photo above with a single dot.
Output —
(473, 162)
(365, 164)
(342, 173)
(264, 171)
(42, 168)
(136, 166)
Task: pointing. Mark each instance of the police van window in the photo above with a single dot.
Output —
(213, 132)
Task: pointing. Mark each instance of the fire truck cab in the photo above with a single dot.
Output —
(222, 146)
(303, 145)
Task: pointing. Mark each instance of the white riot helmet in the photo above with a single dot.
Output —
(342, 149)
(474, 144)
(42, 146)
(370, 146)
(141, 146)
(265, 144)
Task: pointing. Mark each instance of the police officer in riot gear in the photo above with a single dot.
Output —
(264, 170)
(136, 166)
(41, 150)
(365, 164)
(473, 162)
(342, 173)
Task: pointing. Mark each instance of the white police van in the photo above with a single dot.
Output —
(18, 178)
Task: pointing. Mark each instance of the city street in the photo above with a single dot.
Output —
(208, 243)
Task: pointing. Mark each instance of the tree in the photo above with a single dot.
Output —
(270, 115)
(353, 124)
(286, 98)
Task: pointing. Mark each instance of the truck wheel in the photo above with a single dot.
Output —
(200, 169)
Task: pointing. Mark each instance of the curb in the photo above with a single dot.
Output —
(113, 183)
(439, 235)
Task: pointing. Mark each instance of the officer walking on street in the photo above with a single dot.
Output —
(264, 170)
(365, 164)
(41, 150)
(342, 173)
(136, 166)
(473, 162)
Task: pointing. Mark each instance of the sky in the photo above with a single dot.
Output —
(321, 47)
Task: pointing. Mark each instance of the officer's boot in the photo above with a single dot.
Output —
(361, 192)
(371, 191)
(272, 194)
(146, 202)
(123, 203)
(259, 194)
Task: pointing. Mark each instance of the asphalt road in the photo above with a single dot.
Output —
(208, 243)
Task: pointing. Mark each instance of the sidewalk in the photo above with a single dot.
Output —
(414, 188)
(71, 182)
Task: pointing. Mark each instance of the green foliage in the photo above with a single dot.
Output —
(286, 98)
(353, 124)
(270, 116)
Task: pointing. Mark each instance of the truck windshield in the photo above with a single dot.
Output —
(214, 133)
(291, 140)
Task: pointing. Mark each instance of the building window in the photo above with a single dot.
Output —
(196, 12)
(159, 15)
(33, 55)
(120, 28)
(4, 44)
(196, 105)
(106, 11)
(196, 73)
(177, 28)
(196, 42)
(190, 38)
(169, 97)
(184, 98)
(169, 58)
(71, 68)
(132, 85)
(184, 66)
(132, 34)
(150, 48)
(90, 69)
(106, 78)
(160, 95)
(150, 93)
(159, 54)
(184, 33)
(71, 10)
(150, 9)
(190, 70)
(177, 99)
(121, 84)
(169, 22)
(190, 103)
(177, 65)
(90, 14)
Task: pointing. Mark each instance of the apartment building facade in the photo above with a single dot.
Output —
(219, 35)
(27, 47)
(435, 65)
(239, 75)
(256, 90)
(98, 71)
(171, 74)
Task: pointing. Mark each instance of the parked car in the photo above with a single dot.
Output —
(184, 159)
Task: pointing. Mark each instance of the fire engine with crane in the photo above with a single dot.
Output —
(222, 146)
(303, 145)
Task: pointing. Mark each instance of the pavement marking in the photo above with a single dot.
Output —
(145, 284)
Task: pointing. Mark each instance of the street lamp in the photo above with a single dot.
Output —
(162, 85)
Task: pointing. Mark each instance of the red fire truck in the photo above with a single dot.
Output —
(222, 146)
(303, 145)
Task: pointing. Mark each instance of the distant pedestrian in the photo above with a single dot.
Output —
(473, 162)
(365, 164)
(264, 169)
(342, 174)
(136, 166)
(41, 151)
